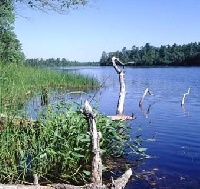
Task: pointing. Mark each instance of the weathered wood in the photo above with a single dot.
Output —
(122, 181)
(143, 96)
(183, 99)
(120, 104)
(121, 99)
(96, 162)
(121, 117)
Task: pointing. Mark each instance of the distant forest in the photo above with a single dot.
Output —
(175, 55)
(148, 55)
(57, 62)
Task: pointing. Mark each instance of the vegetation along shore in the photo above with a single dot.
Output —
(19, 83)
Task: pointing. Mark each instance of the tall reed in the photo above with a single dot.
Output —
(18, 83)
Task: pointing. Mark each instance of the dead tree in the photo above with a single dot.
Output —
(120, 105)
(121, 73)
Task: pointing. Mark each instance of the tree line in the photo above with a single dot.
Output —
(56, 62)
(148, 55)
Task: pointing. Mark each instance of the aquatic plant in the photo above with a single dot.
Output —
(56, 147)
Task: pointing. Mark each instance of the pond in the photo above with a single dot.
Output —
(175, 152)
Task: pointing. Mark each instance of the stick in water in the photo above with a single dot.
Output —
(183, 99)
(145, 93)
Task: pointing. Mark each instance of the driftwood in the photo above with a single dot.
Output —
(120, 105)
(183, 99)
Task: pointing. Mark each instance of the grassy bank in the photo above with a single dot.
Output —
(18, 83)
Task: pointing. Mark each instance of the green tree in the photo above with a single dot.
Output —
(10, 47)
(103, 59)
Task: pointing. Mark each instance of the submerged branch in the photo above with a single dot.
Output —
(143, 96)
(183, 99)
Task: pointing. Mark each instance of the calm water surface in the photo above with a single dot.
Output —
(175, 153)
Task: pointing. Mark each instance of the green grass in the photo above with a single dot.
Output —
(18, 83)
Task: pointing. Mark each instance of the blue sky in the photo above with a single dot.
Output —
(107, 25)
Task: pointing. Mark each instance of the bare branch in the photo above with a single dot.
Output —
(96, 136)
(143, 96)
(183, 99)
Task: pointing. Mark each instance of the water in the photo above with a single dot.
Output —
(175, 153)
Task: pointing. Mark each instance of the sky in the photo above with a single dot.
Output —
(107, 25)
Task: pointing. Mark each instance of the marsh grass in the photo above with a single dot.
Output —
(18, 83)
(57, 147)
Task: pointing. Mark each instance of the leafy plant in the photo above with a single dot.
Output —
(57, 146)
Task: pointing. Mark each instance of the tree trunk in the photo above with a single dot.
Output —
(120, 104)
(121, 99)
